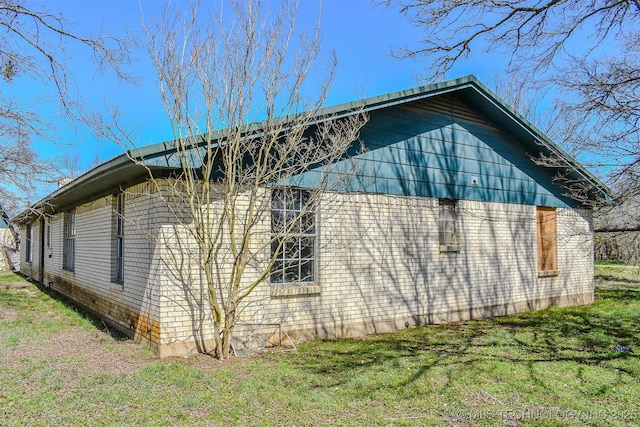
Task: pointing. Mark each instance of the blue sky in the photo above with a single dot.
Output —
(361, 34)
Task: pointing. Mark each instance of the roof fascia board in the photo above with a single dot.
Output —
(116, 164)
(93, 174)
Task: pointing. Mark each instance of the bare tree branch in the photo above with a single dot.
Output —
(34, 45)
(534, 32)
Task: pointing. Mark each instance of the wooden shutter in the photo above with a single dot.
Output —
(547, 241)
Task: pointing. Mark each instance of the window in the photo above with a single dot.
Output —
(48, 225)
(447, 228)
(119, 238)
(293, 236)
(547, 246)
(29, 240)
(69, 253)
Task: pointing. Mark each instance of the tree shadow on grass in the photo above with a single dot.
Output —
(603, 277)
(586, 335)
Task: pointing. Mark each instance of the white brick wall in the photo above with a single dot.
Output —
(380, 266)
(132, 305)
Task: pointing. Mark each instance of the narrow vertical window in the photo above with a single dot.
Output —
(119, 238)
(48, 225)
(69, 254)
(293, 237)
(29, 240)
(547, 241)
(447, 226)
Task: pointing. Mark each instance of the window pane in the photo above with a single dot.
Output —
(306, 271)
(277, 222)
(276, 252)
(119, 269)
(277, 272)
(292, 222)
(446, 238)
(29, 231)
(447, 222)
(69, 240)
(309, 223)
(291, 271)
(307, 247)
(297, 200)
(292, 248)
(72, 224)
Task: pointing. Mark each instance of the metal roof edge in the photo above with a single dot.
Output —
(117, 162)
(321, 114)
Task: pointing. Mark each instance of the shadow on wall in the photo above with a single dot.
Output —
(403, 276)
(187, 320)
(428, 285)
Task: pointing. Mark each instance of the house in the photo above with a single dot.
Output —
(449, 218)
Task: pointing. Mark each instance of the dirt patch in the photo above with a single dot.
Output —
(77, 349)
(7, 314)
(74, 348)
(16, 285)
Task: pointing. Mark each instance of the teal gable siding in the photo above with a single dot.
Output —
(425, 153)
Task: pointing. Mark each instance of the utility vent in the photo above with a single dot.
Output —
(447, 105)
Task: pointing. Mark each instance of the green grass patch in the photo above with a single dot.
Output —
(549, 367)
(10, 277)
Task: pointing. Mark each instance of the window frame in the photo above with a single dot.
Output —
(448, 224)
(29, 243)
(288, 206)
(118, 239)
(47, 224)
(69, 250)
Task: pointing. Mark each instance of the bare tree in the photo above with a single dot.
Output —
(219, 72)
(34, 44)
(535, 34)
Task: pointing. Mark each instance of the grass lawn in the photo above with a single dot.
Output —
(551, 367)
